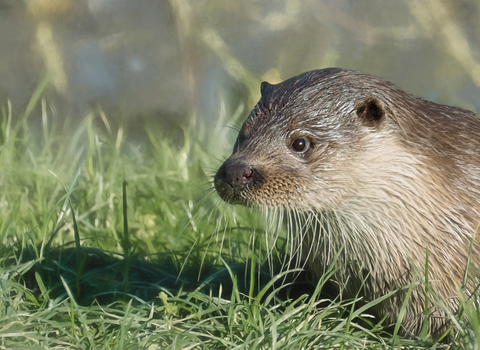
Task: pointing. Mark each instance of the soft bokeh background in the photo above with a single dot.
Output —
(171, 60)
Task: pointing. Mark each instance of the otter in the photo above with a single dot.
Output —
(383, 183)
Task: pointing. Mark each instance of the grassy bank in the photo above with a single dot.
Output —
(111, 241)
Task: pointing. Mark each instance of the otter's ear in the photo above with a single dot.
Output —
(265, 88)
(371, 111)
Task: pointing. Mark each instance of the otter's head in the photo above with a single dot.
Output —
(301, 145)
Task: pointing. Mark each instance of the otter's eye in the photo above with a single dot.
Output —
(300, 145)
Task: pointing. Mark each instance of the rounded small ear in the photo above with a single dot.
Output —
(265, 88)
(371, 111)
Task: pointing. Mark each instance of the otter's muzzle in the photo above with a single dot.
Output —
(233, 179)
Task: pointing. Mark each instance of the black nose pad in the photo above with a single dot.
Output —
(239, 175)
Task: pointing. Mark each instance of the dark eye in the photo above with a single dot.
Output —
(300, 145)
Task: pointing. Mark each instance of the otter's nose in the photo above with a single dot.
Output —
(238, 175)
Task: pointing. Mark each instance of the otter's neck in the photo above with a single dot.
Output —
(395, 212)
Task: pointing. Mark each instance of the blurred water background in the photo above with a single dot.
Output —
(171, 60)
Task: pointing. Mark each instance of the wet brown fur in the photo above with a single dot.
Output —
(387, 178)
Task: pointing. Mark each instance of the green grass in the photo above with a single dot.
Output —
(116, 242)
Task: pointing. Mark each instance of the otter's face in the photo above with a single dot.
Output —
(296, 147)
